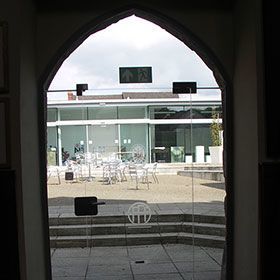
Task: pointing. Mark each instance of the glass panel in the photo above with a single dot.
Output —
(168, 143)
(132, 112)
(73, 140)
(102, 113)
(170, 112)
(73, 114)
(134, 142)
(52, 115)
(52, 155)
(205, 112)
(103, 141)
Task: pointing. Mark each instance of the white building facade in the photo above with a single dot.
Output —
(162, 126)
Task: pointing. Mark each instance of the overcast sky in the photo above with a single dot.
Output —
(132, 42)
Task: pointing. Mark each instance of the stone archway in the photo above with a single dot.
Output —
(191, 41)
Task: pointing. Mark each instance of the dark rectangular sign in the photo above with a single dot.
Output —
(135, 75)
(184, 87)
(86, 206)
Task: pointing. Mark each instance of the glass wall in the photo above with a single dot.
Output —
(160, 142)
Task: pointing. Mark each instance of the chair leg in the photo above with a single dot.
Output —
(58, 177)
(155, 178)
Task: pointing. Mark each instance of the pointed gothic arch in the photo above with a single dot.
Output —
(191, 41)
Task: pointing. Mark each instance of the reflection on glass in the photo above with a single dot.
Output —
(131, 112)
(73, 114)
(133, 136)
(102, 113)
(184, 112)
(52, 115)
(103, 140)
(71, 138)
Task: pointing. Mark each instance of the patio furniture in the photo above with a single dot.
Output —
(53, 170)
(112, 172)
(153, 172)
(139, 173)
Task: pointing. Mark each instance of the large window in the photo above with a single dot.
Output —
(172, 142)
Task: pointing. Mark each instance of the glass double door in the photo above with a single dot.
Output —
(144, 220)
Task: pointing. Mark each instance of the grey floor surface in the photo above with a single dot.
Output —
(149, 262)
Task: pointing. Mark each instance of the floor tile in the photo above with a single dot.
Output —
(109, 270)
(69, 261)
(110, 277)
(72, 253)
(212, 275)
(165, 276)
(152, 268)
(201, 266)
(73, 271)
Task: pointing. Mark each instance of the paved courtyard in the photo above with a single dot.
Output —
(173, 194)
(153, 262)
(171, 189)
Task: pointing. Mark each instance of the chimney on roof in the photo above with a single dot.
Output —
(71, 96)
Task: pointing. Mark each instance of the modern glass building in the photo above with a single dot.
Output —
(162, 126)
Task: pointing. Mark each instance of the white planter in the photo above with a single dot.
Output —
(216, 154)
(199, 154)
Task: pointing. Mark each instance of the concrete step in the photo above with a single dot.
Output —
(137, 239)
(214, 175)
(67, 230)
(205, 166)
(109, 229)
(71, 219)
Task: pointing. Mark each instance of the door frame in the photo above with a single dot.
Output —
(190, 40)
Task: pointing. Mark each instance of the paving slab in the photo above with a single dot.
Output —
(149, 262)
(173, 195)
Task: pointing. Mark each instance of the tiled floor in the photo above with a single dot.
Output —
(152, 262)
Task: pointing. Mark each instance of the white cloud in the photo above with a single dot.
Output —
(131, 42)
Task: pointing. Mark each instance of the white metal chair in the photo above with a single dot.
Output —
(51, 170)
(139, 174)
(153, 172)
(110, 173)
